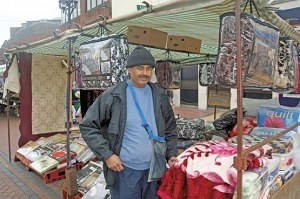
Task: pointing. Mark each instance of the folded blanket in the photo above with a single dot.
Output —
(204, 170)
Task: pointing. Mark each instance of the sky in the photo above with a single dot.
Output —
(15, 12)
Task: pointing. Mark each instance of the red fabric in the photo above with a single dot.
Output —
(175, 184)
(203, 171)
(248, 124)
(25, 98)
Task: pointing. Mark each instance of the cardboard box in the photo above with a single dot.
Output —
(147, 37)
(184, 44)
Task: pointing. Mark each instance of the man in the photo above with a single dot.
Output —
(112, 128)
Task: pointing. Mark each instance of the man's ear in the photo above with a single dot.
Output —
(129, 70)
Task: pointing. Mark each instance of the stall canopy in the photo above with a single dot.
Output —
(198, 19)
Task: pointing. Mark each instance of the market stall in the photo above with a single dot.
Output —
(201, 12)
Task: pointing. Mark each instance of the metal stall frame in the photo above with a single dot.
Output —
(240, 159)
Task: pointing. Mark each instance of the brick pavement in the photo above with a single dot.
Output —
(16, 181)
(19, 183)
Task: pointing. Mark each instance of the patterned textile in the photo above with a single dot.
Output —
(258, 157)
(280, 145)
(259, 44)
(206, 74)
(48, 82)
(103, 61)
(285, 69)
(190, 128)
(205, 170)
(297, 61)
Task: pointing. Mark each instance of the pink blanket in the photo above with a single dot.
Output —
(204, 170)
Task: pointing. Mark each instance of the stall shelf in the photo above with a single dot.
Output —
(51, 175)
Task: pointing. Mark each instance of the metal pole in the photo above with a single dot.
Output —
(71, 175)
(68, 88)
(8, 126)
(240, 160)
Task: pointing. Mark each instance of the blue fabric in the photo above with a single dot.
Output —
(136, 146)
(132, 184)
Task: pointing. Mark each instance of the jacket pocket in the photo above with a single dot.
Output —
(112, 135)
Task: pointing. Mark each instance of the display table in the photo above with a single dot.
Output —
(51, 175)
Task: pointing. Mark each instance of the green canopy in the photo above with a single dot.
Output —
(198, 19)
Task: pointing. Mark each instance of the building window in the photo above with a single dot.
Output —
(90, 4)
(76, 13)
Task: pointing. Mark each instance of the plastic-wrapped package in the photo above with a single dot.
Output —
(285, 69)
(259, 46)
(254, 181)
(103, 61)
(168, 74)
(207, 74)
(278, 117)
(191, 129)
(227, 120)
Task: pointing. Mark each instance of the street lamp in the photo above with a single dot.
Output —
(67, 7)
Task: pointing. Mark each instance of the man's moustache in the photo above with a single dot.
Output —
(144, 76)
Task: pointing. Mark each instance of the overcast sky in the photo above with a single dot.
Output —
(15, 12)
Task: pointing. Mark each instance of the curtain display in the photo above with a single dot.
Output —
(206, 74)
(259, 46)
(102, 61)
(48, 84)
(168, 74)
(28, 101)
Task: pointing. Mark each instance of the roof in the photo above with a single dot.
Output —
(198, 19)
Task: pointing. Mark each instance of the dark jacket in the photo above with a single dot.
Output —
(103, 126)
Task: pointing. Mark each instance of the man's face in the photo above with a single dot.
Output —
(140, 75)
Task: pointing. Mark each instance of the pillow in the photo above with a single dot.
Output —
(250, 105)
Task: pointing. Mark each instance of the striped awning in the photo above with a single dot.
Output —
(198, 19)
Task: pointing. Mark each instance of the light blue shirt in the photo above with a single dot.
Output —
(136, 146)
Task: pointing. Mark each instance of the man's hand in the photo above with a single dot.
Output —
(172, 160)
(114, 163)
